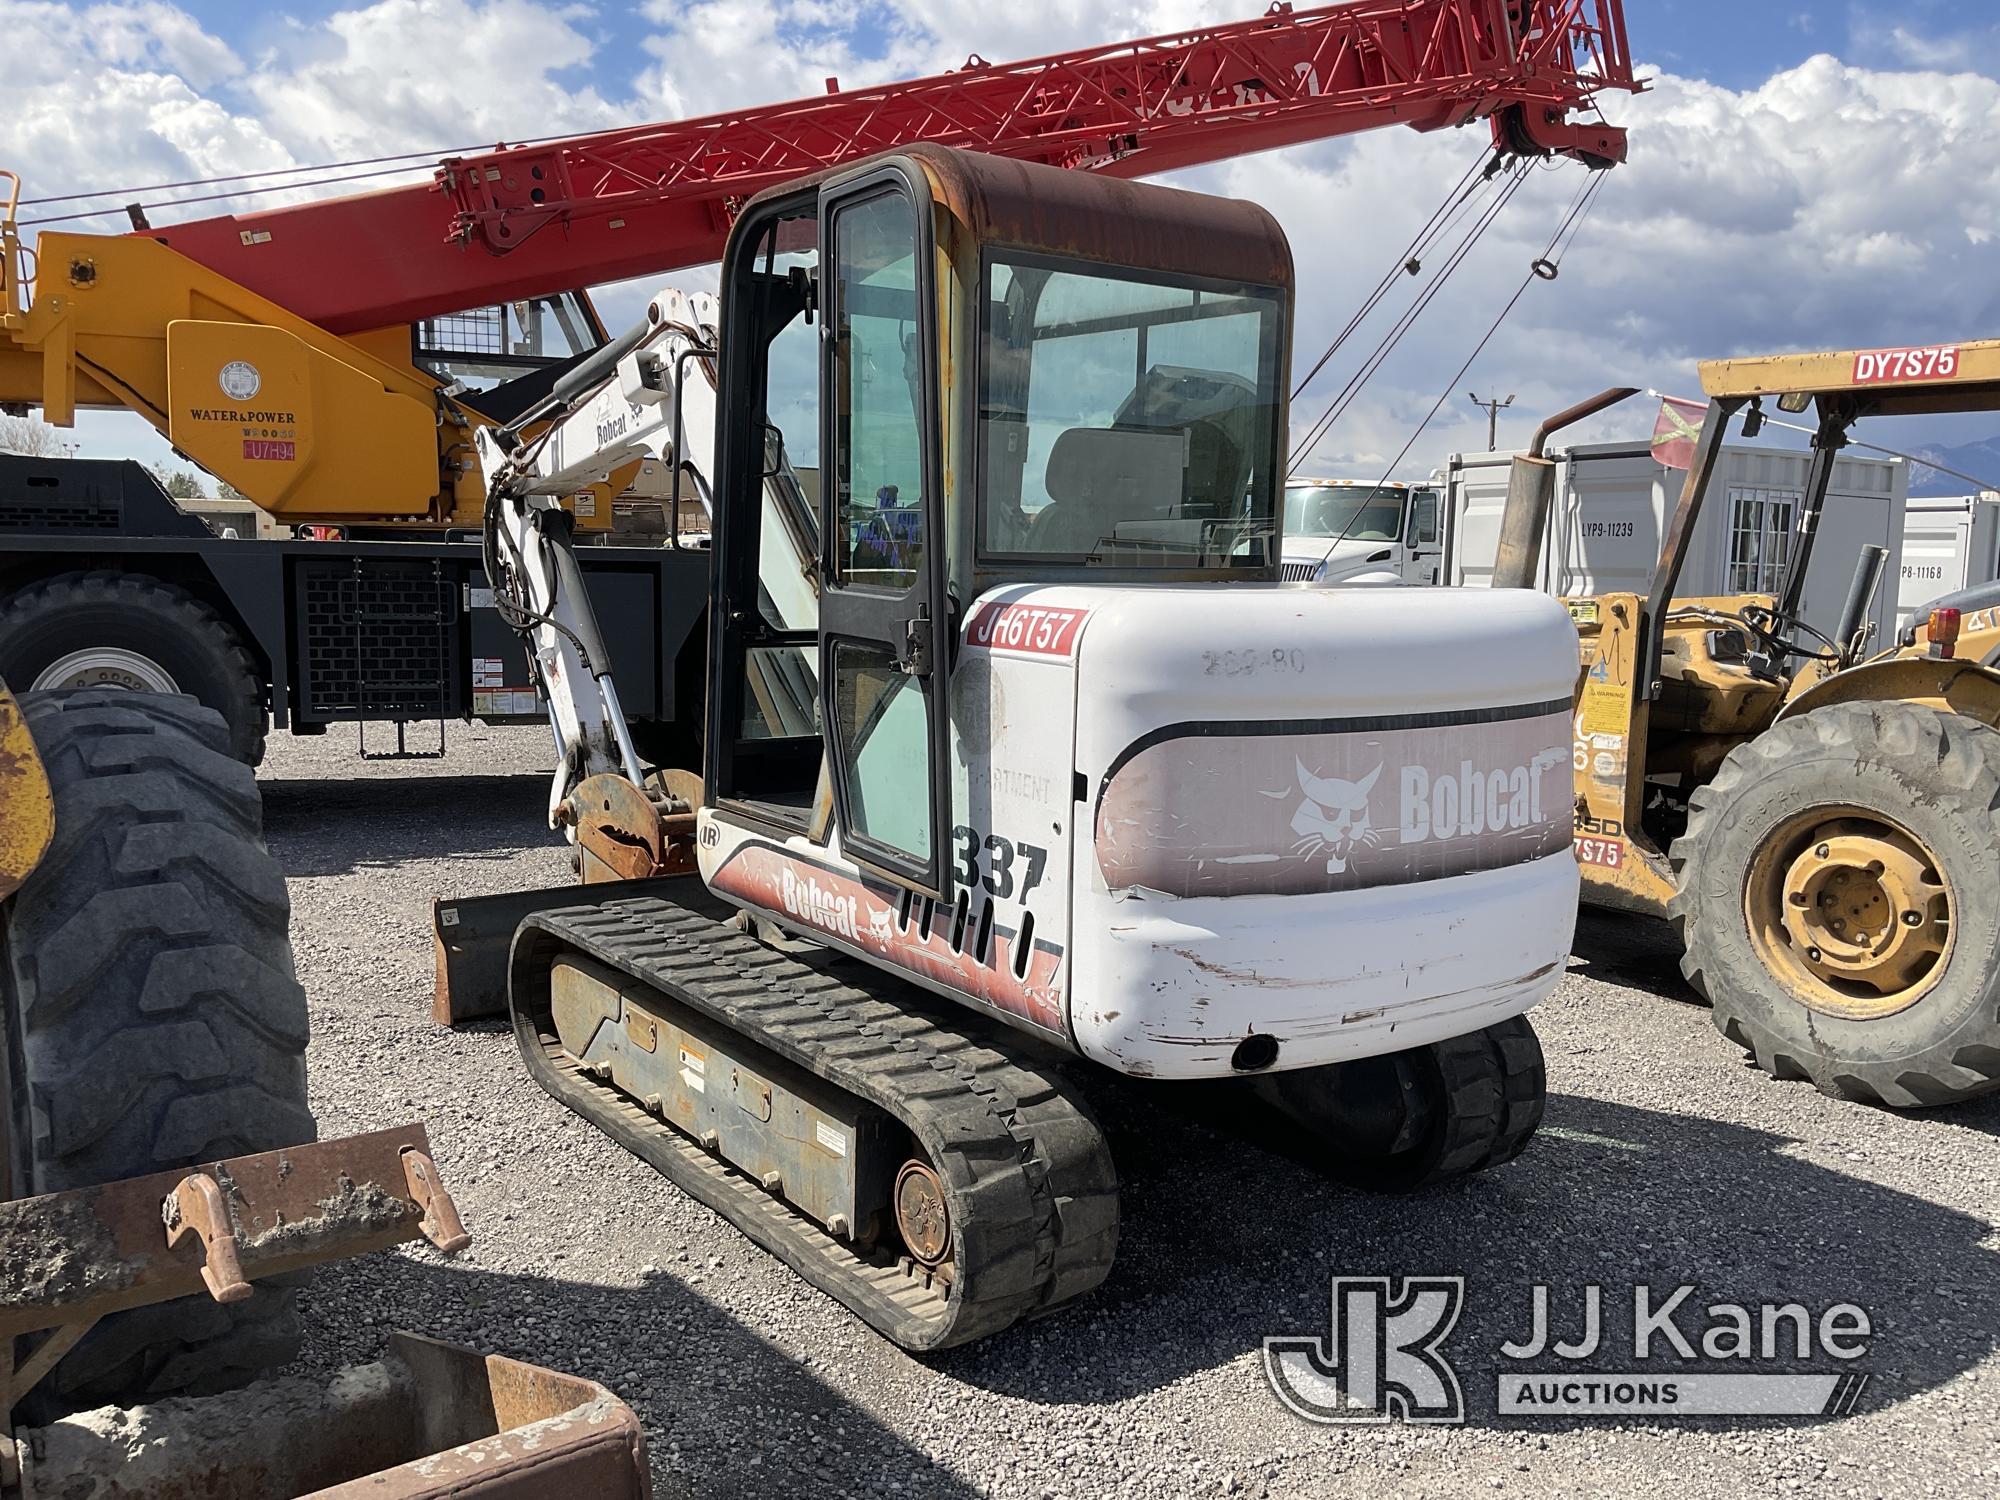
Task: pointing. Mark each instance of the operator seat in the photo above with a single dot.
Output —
(1100, 476)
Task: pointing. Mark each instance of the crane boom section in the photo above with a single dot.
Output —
(279, 348)
(516, 222)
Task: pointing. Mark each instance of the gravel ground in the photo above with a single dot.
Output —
(1665, 1159)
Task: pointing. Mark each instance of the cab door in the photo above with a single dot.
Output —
(1425, 546)
(883, 643)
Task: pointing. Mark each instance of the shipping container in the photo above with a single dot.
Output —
(1949, 544)
(1612, 501)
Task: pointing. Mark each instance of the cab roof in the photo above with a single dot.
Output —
(1924, 378)
(1085, 215)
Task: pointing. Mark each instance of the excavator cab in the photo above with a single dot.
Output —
(994, 412)
(1814, 813)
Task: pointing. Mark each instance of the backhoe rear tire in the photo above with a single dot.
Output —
(153, 1020)
(1926, 781)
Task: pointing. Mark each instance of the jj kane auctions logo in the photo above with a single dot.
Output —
(1383, 1356)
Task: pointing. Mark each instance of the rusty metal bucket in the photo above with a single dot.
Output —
(430, 1419)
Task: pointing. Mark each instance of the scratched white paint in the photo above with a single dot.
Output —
(1167, 986)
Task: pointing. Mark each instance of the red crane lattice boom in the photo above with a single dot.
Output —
(520, 221)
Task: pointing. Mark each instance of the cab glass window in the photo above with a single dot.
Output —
(1128, 420)
(877, 390)
(1358, 513)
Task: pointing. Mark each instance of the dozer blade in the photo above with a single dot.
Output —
(474, 935)
(430, 1419)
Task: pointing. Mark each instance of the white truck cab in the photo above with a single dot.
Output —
(1356, 531)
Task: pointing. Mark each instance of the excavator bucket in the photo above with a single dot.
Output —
(27, 810)
(73, 1257)
(429, 1419)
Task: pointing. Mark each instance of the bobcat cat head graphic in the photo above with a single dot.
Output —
(1333, 819)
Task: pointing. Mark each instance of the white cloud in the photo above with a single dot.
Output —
(1921, 51)
(711, 55)
(130, 102)
(404, 75)
(1834, 204)
(1831, 206)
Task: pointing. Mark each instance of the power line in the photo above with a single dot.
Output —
(1409, 262)
(383, 166)
(433, 155)
(1544, 268)
(168, 187)
(285, 187)
(1400, 328)
(1386, 346)
(1926, 463)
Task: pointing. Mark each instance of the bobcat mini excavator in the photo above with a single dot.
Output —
(1025, 755)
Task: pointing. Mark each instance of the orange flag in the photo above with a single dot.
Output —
(1675, 433)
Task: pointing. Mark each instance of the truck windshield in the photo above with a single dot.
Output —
(1358, 514)
(1128, 421)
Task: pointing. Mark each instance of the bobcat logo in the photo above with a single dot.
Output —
(1333, 819)
(882, 926)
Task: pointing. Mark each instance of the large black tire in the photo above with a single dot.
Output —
(153, 1017)
(1410, 1120)
(155, 636)
(1935, 775)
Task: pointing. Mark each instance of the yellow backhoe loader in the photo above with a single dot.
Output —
(157, 1158)
(1819, 816)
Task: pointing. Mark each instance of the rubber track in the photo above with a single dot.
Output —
(1495, 1085)
(1033, 1193)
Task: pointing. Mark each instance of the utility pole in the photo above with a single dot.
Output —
(1493, 410)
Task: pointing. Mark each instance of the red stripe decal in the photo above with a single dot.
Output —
(864, 917)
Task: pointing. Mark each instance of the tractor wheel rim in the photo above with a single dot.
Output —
(923, 1217)
(105, 667)
(1850, 912)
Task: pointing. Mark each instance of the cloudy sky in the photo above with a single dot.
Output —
(1803, 173)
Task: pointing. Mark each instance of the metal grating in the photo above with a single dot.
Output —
(477, 330)
(40, 506)
(1298, 572)
(379, 639)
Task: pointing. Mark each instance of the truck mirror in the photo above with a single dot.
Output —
(774, 451)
